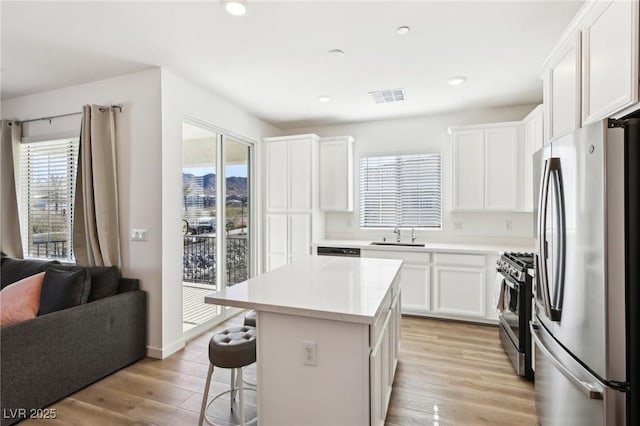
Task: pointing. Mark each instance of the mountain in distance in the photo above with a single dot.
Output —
(206, 185)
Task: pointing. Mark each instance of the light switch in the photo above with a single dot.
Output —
(139, 235)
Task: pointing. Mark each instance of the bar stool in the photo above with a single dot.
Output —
(232, 348)
(250, 321)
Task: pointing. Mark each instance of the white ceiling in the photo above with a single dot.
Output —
(273, 61)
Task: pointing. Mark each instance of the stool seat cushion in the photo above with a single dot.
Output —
(250, 319)
(233, 347)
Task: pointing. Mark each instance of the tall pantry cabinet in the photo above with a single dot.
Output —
(291, 186)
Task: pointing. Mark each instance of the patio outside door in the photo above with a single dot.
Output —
(216, 205)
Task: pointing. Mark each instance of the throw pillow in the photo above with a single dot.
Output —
(14, 270)
(20, 301)
(104, 281)
(64, 288)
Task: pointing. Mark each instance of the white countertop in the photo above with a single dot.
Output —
(336, 288)
(429, 247)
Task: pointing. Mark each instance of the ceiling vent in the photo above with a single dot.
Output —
(392, 95)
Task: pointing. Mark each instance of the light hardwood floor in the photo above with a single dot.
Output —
(449, 373)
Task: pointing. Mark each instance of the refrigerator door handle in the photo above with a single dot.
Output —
(552, 166)
(589, 389)
(558, 289)
(543, 201)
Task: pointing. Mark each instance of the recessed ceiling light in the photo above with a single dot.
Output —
(457, 81)
(403, 30)
(235, 8)
(324, 99)
(336, 52)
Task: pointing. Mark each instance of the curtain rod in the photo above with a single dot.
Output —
(101, 109)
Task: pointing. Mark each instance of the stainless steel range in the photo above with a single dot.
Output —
(514, 306)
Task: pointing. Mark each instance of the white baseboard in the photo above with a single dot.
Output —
(162, 353)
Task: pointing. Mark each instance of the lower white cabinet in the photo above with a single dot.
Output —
(414, 280)
(445, 285)
(288, 238)
(382, 363)
(459, 290)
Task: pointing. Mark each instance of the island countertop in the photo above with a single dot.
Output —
(335, 288)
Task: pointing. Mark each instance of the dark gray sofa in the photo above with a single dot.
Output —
(52, 356)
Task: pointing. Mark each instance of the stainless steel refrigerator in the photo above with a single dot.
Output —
(585, 325)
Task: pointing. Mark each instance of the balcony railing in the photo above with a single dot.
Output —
(199, 259)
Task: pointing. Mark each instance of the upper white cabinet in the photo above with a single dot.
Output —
(336, 174)
(533, 141)
(467, 153)
(289, 172)
(592, 73)
(562, 84)
(609, 58)
(485, 161)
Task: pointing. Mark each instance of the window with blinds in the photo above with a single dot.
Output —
(47, 180)
(401, 190)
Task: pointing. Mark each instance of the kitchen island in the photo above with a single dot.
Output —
(328, 330)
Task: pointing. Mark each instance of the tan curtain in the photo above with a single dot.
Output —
(10, 241)
(96, 238)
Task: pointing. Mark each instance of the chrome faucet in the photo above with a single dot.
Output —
(413, 238)
(396, 231)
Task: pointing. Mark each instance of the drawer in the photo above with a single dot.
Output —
(459, 259)
(376, 329)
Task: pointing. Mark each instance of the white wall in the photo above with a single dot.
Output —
(427, 134)
(181, 98)
(138, 156)
(149, 154)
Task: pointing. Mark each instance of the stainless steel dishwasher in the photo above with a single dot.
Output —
(338, 251)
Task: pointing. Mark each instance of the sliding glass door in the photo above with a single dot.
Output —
(216, 205)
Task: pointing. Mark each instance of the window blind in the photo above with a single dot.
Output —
(47, 186)
(401, 190)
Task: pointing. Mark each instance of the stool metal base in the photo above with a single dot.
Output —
(237, 386)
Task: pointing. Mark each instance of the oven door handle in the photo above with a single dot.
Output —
(510, 283)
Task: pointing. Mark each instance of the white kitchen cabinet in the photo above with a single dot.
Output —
(382, 363)
(501, 167)
(277, 243)
(460, 285)
(533, 141)
(277, 175)
(288, 238)
(609, 58)
(593, 70)
(562, 80)
(468, 169)
(301, 169)
(485, 161)
(459, 291)
(289, 172)
(336, 174)
(414, 279)
(292, 217)
(299, 233)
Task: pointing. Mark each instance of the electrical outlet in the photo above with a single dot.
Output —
(457, 226)
(310, 353)
(508, 225)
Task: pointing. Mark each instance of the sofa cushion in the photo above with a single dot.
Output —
(20, 301)
(64, 288)
(13, 270)
(104, 281)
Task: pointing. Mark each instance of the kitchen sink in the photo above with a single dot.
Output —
(393, 243)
